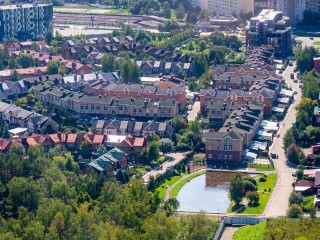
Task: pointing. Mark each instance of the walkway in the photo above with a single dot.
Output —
(228, 233)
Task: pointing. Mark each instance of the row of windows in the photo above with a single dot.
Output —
(225, 157)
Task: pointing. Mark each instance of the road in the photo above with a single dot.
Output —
(278, 203)
(228, 233)
(192, 114)
(306, 41)
(177, 156)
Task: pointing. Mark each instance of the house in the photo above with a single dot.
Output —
(42, 124)
(4, 145)
(99, 166)
(304, 187)
(117, 157)
(6, 75)
(133, 146)
(13, 90)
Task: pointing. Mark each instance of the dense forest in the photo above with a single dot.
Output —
(43, 195)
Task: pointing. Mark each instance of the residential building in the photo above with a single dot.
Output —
(229, 7)
(86, 105)
(135, 128)
(25, 21)
(228, 144)
(13, 90)
(316, 114)
(294, 9)
(270, 27)
(259, 5)
(216, 23)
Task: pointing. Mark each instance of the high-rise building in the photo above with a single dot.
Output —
(272, 28)
(294, 9)
(259, 5)
(224, 7)
(25, 21)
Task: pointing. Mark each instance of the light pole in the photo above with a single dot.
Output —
(218, 215)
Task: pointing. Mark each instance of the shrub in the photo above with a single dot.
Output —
(253, 197)
(294, 211)
(248, 186)
(251, 179)
(262, 179)
(148, 168)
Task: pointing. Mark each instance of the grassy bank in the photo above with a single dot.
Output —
(163, 187)
(89, 10)
(265, 190)
(262, 167)
(174, 192)
(254, 232)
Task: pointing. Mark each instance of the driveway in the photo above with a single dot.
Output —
(176, 158)
(194, 112)
(278, 203)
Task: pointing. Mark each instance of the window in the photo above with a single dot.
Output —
(219, 148)
(230, 145)
(213, 112)
(134, 112)
(219, 113)
(219, 156)
(105, 108)
(210, 156)
(225, 145)
(209, 147)
(225, 157)
(230, 157)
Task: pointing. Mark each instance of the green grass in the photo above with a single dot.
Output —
(264, 195)
(316, 43)
(174, 192)
(141, 169)
(254, 232)
(262, 167)
(88, 10)
(163, 187)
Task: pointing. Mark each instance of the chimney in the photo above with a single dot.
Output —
(75, 77)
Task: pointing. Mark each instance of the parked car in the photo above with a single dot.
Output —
(292, 75)
(311, 38)
(190, 107)
(295, 92)
(290, 63)
(295, 80)
(274, 155)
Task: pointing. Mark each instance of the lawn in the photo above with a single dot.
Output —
(174, 192)
(316, 43)
(254, 232)
(88, 10)
(141, 169)
(264, 195)
(262, 167)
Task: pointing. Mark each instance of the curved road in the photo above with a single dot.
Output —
(278, 203)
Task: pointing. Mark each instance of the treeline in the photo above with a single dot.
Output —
(44, 196)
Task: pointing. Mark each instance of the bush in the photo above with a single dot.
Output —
(248, 186)
(262, 179)
(148, 169)
(253, 197)
(294, 211)
(251, 179)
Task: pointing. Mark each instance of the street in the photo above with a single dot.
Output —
(306, 41)
(192, 114)
(177, 156)
(278, 203)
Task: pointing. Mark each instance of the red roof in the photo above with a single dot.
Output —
(98, 139)
(4, 144)
(31, 142)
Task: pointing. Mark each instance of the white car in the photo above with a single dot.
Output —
(190, 107)
(295, 92)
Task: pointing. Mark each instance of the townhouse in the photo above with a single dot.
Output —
(135, 128)
(86, 105)
(228, 144)
(156, 93)
(10, 89)
(241, 89)
(17, 116)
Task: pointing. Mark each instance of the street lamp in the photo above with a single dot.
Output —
(218, 215)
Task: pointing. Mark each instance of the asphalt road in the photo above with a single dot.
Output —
(176, 157)
(278, 203)
(306, 41)
(194, 112)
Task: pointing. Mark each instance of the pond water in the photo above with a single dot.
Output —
(208, 192)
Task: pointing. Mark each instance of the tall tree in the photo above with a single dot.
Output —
(165, 145)
(288, 139)
(15, 75)
(5, 132)
(48, 37)
(108, 63)
(181, 12)
(236, 189)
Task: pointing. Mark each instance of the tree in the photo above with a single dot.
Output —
(34, 152)
(85, 149)
(12, 63)
(153, 151)
(312, 212)
(53, 67)
(17, 148)
(62, 70)
(253, 197)
(15, 75)
(165, 145)
(26, 60)
(202, 45)
(153, 137)
(192, 17)
(188, 168)
(236, 188)
(183, 168)
(201, 63)
(294, 211)
(248, 186)
(48, 37)
(181, 12)
(311, 86)
(5, 132)
(305, 59)
(166, 10)
(205, 15)
(300, 173)
(293, 154)
(288, 139)
(171, 205)
(295, 198)
(108, 63)
(190, 46)
(24, 192)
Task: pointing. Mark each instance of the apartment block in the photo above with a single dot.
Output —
(25, 21)
(105, 106)
(228, 144)
(272, 28)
